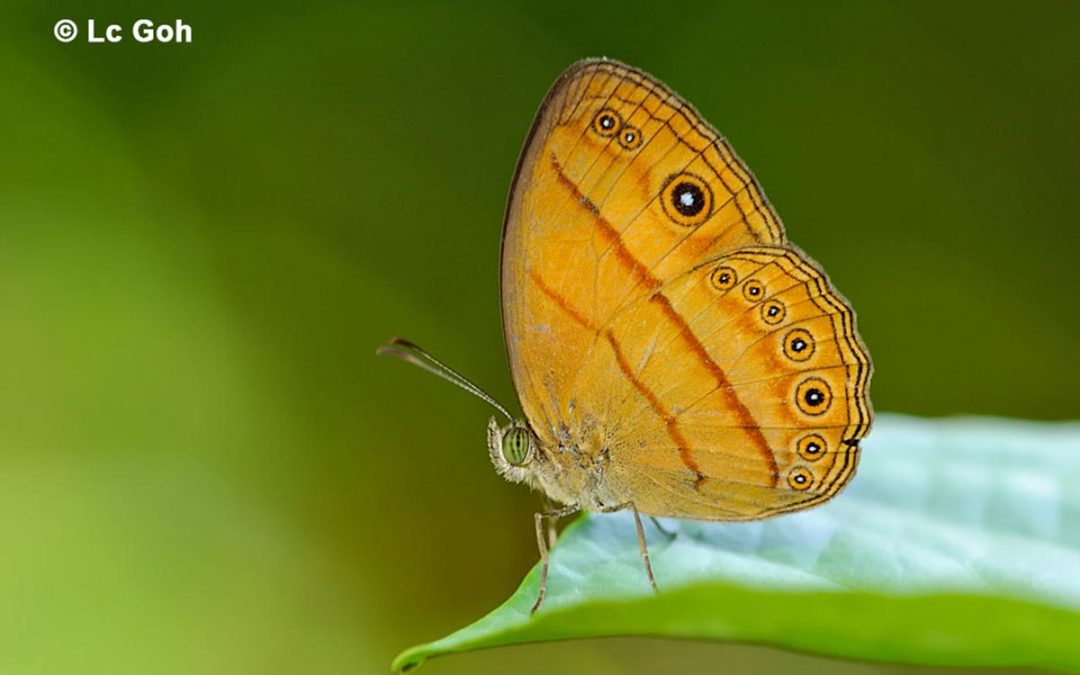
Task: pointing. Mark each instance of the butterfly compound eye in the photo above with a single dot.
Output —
(515, 446)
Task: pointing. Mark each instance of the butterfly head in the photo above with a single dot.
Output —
(512, 449)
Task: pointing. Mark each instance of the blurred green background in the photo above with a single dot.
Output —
(203, 466)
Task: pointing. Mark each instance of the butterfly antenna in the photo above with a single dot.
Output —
(407, 351)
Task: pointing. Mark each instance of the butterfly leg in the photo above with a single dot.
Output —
(541, 542)
(642, 544)
(552, 531)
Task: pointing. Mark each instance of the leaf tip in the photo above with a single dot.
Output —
(408, 661)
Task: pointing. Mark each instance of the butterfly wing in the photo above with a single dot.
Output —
(620, 187)
(621, 192)
(756, 383)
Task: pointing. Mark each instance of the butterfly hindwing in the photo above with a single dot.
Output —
(762, 380)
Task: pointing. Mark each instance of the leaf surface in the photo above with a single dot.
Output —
(958, 543)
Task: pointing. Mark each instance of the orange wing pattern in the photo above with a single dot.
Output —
(766, 385)
(624, 350)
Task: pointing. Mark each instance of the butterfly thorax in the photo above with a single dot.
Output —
(569, 470)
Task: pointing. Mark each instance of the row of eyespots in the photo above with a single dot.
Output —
(724, 278)
(811, 448)
(607, 123)
(798, 343)
(686, 198)
(772, 310)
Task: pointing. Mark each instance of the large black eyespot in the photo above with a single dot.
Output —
(607, 122)
(813, 396)
(798, 345)
(687, 199)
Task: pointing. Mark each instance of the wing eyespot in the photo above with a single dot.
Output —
(607, 123)
(753, 290)
(811, 447)
(798, 345)
(773, 312)
(800, 478)
(724, 278)
(813, 396)
(630, 138)
(687, 199)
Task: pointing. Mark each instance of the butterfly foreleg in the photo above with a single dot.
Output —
(642, 544)
(542, 544)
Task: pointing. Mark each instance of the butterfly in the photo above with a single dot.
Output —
(673, 354)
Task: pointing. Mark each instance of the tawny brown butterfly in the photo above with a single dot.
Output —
(673, 354)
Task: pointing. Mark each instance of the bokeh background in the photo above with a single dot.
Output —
(203, 466)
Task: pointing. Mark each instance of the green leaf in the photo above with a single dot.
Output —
(958, 543)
